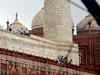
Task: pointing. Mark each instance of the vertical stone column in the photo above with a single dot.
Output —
(58, 22)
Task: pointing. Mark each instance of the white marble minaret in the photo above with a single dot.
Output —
(58, 22)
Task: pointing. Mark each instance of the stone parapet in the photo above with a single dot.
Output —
(37, 46)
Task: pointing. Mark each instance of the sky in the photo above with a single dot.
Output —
(27, 9)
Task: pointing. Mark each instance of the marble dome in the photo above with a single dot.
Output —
(38, 20)
(17, 27)
(88, 22)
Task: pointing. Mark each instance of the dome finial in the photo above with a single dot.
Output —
(8, 26)
(16, 16)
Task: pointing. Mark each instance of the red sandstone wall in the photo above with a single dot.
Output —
(89, 48)
(37, 31)
(21, 64)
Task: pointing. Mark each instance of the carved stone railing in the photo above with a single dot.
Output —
(14, 63)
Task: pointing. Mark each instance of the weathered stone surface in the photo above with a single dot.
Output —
(37, 46)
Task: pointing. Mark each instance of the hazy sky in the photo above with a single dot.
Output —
(27, 9)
